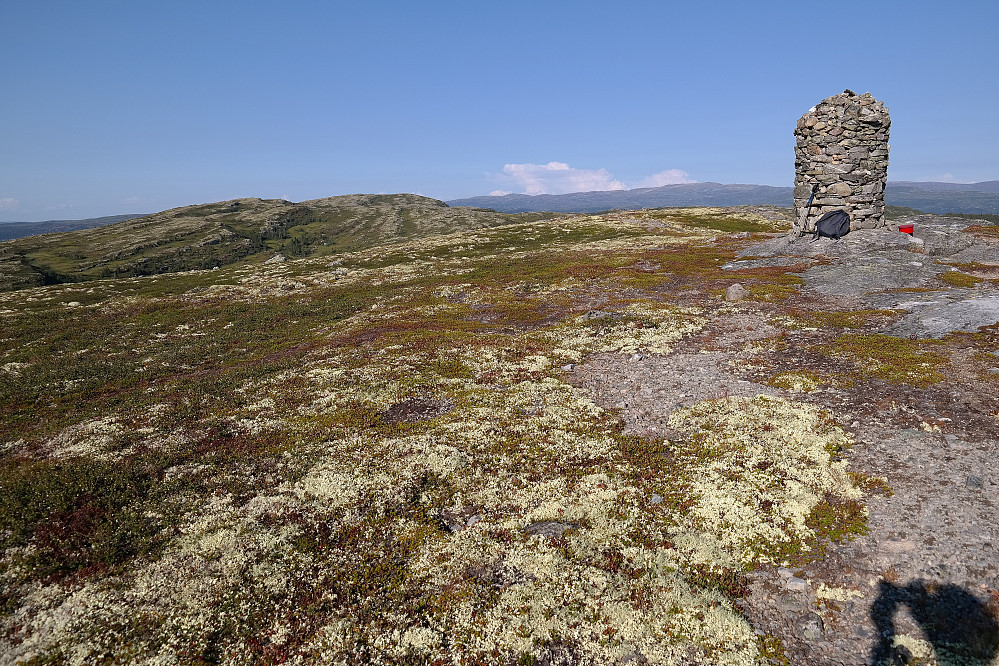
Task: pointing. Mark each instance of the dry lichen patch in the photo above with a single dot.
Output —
(338, 462)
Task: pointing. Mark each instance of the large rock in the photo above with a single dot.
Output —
(937, 318)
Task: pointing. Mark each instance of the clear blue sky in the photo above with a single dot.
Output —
(139, 106)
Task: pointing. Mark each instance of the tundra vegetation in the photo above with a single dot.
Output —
(374, 455)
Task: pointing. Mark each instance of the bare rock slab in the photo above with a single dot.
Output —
(936, 319)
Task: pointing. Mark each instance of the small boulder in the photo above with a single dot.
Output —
(735, 292)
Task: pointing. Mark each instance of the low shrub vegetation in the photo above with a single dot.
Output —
(375, 457)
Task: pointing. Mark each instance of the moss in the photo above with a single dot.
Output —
(894, 360)
(733, 584)
(988, 231)
(798, 380)
(838, 520)
(771, 292)
(50, 658)
(846, 318)
(872, 485)
(259, 425)
(959, 279)
(772, 649)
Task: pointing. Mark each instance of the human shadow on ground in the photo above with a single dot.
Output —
(957, 625)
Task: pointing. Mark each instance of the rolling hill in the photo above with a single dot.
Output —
(218, 234)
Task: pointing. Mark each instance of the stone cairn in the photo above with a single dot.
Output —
(842, 153)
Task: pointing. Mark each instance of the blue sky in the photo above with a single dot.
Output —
(139, 106)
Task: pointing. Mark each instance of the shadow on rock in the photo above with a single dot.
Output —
(957, 625)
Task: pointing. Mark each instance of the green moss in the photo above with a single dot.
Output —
(895, 360)
(845, 318)
(771, 292)
(959, 279)
(872, 485)
(803, 380)
(772, 649)
(838, 520)
(331, 362)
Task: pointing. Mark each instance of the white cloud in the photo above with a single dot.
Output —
(8, 202)
(938, 178)
(560, 178)
(667, 177)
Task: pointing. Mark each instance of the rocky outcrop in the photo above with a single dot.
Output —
(842, 157)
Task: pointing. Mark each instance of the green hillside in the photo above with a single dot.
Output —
(218, 234)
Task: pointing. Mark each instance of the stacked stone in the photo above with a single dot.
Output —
(842, 152)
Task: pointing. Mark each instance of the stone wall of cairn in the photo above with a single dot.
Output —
(842, 152)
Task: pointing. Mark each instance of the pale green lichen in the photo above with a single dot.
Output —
(833, 593)
(761, 467)
(643, 327)
(354, 537)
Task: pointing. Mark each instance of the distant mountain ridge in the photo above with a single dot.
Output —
(931, 197)
(687, 194)
(12, 230)
(984, 186)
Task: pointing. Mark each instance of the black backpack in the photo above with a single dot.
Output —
(834, 224)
